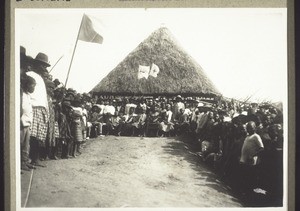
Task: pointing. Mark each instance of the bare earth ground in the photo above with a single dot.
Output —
(128, 172)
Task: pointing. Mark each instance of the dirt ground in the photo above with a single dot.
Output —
(127, 172)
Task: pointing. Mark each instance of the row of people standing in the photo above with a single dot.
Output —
(40, 132)
(36, 112)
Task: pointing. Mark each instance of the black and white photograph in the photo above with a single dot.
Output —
(151, 108)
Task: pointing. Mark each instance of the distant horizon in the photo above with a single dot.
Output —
(242, 51)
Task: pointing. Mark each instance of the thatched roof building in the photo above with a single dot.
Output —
(178, 73)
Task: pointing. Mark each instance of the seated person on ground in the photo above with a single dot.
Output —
(126, 124)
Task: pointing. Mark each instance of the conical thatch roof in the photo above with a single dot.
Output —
(179, 73)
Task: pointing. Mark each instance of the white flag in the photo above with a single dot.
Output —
(154, 70)
(143, 72)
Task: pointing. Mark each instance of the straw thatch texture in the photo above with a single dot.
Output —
(179, 73)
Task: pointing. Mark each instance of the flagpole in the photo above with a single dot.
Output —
(74, 52)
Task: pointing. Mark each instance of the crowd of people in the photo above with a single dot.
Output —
(242, 141)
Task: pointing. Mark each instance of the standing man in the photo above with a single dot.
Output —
(178, 105)
(250, 157)
(40, 108)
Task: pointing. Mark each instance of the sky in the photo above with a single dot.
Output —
(242, 51)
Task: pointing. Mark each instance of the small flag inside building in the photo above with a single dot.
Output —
(87, 32)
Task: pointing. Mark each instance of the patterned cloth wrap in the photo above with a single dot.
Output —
(56, 130)
(76, 131)
(50, 140)
(39, 124)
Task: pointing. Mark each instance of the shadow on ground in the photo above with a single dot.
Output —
(186, 148)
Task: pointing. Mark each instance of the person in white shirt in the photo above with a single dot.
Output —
(129, 105)
(252, 146)
(101, 105)
(109, 109)
(27, 85)
(143, 104)
(177, 107)
(250, 157)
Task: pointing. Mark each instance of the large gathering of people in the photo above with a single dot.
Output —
(242, 141)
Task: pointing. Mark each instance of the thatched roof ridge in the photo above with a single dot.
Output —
(179, 72)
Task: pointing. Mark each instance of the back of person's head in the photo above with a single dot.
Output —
(251, 126)
(27, 83)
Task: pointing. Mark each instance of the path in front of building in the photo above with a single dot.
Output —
(128, 172)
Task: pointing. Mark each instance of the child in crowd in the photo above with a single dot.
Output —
(76, 127)
(64, 129)
(27, 84)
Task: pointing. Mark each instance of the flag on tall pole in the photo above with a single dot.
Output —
(86, 33)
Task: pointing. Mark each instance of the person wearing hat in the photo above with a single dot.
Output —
(57, 84)
(70, 93)
(40, 109)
